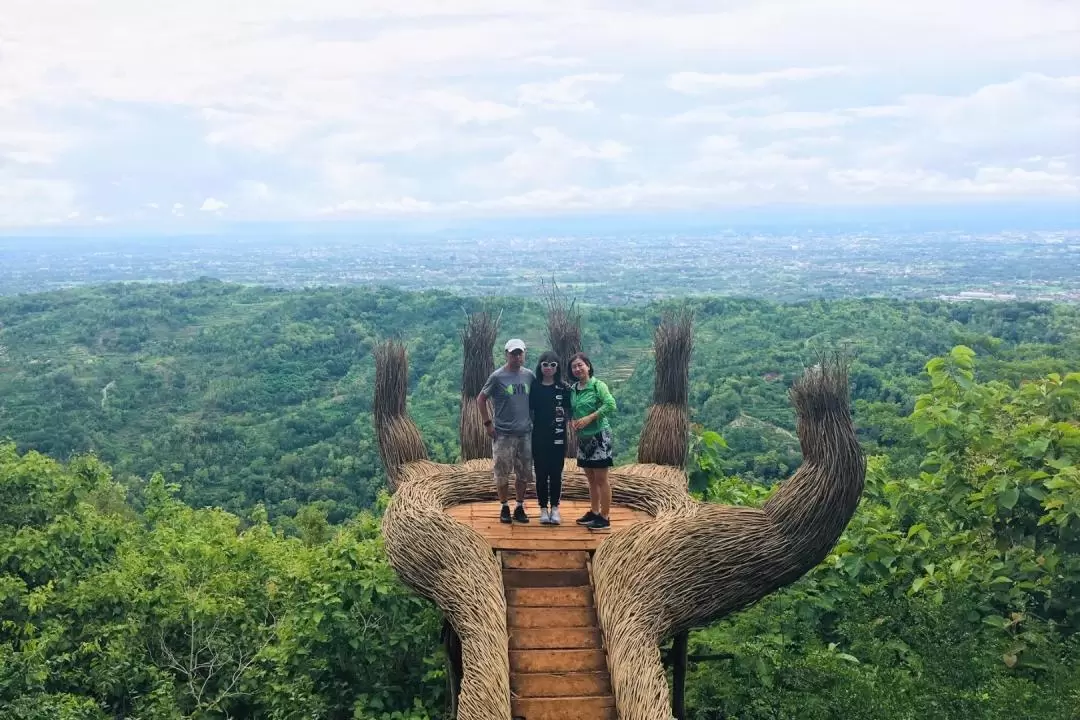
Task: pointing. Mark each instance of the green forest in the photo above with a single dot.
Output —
(190, 496)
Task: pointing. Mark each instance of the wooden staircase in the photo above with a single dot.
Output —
(558, 670)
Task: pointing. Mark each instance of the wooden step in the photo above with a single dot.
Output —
(564, 708)
(550, 597)
(557, 661)
(554, 638)
(540, 617)
(545, 578)
(548, 685)
(532, 543)
(545, 560)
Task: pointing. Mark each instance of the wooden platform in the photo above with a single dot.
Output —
(484, 518)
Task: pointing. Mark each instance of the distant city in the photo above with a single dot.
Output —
(609, 269)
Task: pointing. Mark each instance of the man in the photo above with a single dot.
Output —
(511, 431)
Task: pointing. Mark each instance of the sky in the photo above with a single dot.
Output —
(127, 113)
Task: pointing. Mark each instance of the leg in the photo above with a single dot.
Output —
(582, 456)
(543, 485)
(555, 470)
(594, 495)
(500, 451)
(603, 490)
(523, 466)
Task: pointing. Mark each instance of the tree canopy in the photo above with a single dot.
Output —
(190, 498)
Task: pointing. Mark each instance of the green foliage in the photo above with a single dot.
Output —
(247, 395)
(184, 613)
(952, 592)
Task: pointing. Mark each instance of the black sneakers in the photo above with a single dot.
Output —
(587, 518)
(519, 515)
(599, 524)
(504, 514)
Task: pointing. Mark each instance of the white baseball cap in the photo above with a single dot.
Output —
(515, 344)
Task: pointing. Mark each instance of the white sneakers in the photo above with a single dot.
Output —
(550, 517)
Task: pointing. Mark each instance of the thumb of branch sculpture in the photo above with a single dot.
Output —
(694, 565)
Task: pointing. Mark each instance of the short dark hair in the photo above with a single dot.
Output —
(583, 358)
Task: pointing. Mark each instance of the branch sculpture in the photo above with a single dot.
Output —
(564, 339)
(692, 564)
(477, 340)
(563, 328)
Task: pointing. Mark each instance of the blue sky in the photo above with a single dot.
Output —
(125, 113)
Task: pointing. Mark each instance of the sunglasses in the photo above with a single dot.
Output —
(549, 364)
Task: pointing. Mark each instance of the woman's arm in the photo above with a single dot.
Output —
(607, 406)
(607, 401)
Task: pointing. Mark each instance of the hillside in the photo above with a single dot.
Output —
(952, 594)
(247, 395)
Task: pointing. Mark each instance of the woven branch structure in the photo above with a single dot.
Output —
(563, 328)
(666, 434)
(689, 565)
(477, 341)
(564, 339)
(400, 442)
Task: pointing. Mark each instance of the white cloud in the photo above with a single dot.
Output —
(985, 181)
(213, 205)
(696, 83)
(256, 191)
(395, 206)
(617, 197)
(28, 201)
(295, 107)
(771, 122)
(566, 93)
(463, 110)
(725, 157)
(550, 61)
(720, 143)
(551, 157)
(800, 121)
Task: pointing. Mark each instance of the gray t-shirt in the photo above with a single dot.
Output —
(509, 393)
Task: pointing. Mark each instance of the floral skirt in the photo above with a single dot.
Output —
(596, 451)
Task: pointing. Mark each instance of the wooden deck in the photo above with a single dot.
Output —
(484, 518)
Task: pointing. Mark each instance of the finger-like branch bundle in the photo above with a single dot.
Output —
(399, 440)
(666, 435)
(477, 341)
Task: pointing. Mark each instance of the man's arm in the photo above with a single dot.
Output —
(482, 404)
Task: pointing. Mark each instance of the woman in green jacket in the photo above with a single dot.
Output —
(591, 403)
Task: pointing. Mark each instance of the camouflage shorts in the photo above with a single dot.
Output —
(513, 454)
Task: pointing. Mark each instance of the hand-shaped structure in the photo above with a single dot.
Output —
(688, 564)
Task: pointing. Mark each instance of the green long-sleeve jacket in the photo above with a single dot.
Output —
(594, 397)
